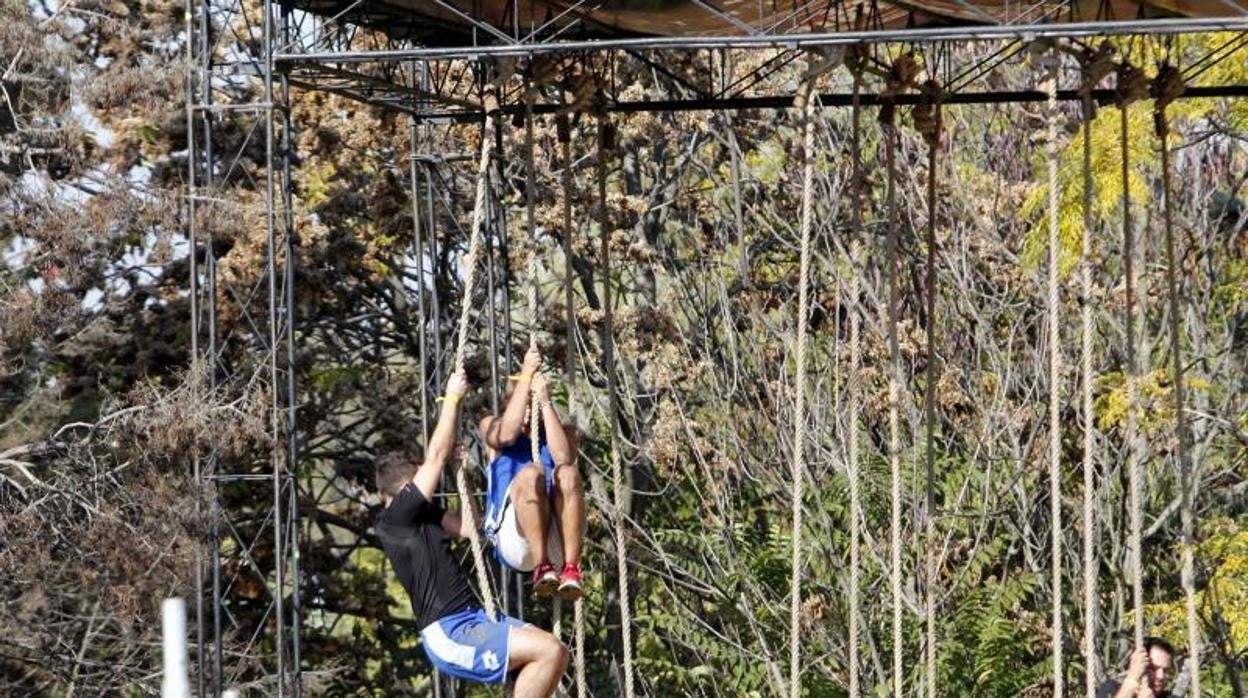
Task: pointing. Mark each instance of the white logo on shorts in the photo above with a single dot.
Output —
(490, 660)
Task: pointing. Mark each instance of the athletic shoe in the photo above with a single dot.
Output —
(570, 583)
(545, 581)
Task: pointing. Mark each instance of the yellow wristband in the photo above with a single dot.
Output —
(449, 399)
(520, 378)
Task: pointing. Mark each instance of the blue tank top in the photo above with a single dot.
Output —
(503, 470)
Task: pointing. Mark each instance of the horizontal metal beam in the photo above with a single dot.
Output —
(1026, 32)
(839, 99)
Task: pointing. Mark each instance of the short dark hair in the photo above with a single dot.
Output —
(394, 470)
(1151, 642)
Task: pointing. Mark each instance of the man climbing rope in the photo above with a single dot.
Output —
(1148, 674)
(522, 495)
(458, 635)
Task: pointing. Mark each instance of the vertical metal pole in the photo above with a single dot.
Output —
(275, 394)
(490, 217)
(508, 357)
(192, 241)
(432, 229)
(292, 428)
(419, 253)
(435, 325)
(210, 263)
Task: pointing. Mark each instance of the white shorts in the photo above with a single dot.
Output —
(516, 551)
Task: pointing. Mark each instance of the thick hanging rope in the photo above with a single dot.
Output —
(1095, 64)
(854, 60)
(605, 138)
(887, 119)
(1055, 366)
(564, 130)
(927, 121)
(901, 76)
(799, 408)
(467, 512)
(1167, 87)
(535, 407)
(1132, 86)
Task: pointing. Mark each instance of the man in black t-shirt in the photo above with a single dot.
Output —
(1148, 673)
(458, 636)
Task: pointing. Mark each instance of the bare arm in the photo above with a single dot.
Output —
(556, 437)
(1133, 683)
(453, 523)
(500, 432)
(429, 474)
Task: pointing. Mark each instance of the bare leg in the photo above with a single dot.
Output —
(570, 510)
(528, 492)
(541, 660)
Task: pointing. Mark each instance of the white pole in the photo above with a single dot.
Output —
(173, 631)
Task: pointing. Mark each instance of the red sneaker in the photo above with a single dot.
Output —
(570, 583)
(545, 581)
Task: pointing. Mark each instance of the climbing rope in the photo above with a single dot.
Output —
(887, 122)
(605, 143)
(564, 131)
(1132, 86)
(1095, 64)
(1166, 88)
(799, 408)
(535, 407)
(1055, 366)
(928, 122)
(467, 512)
(854, 59)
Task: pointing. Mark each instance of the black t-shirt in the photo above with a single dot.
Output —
(1109, 689)
(412, 535)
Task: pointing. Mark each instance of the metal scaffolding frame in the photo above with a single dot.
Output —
(245, 58)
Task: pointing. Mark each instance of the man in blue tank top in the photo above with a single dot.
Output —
(535, 513)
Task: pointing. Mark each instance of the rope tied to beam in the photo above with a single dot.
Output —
(467, 511)
(1095, 65)
(854, 59)
(887, 119)
(1132, 86)
(901, 76)
(606, 143)
(1165, 89)
(928, 120)
(1052, 62)
(563, 130)
(799, 409)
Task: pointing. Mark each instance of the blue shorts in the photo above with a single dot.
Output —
(468, 645)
